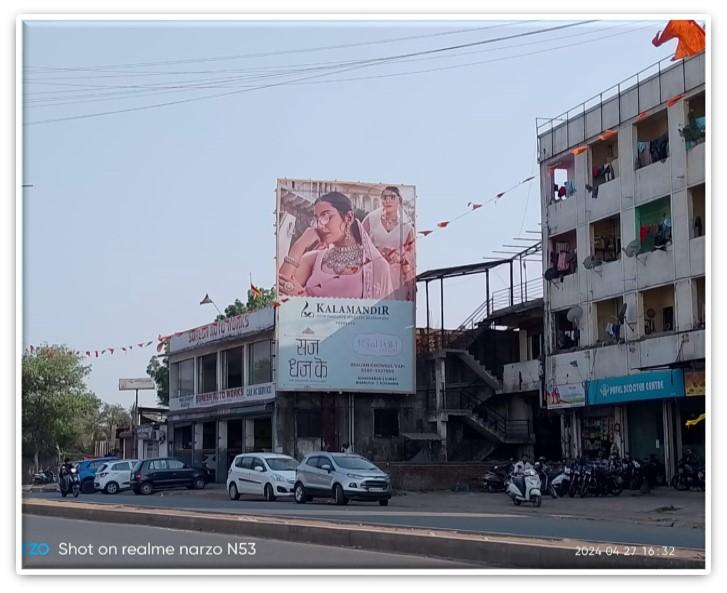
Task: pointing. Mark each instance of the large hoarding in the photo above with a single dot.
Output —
(346, 277)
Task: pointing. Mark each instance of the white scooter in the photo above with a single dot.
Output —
(524, 487)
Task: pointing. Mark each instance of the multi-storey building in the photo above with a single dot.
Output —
(624, 207)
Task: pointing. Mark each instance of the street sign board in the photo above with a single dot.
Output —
(133, 384)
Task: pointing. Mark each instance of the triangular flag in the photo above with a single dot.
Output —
(443, 224)
(474, 206)
(206, 300)
(425, 233)
(111, 350)
(96, 353)
(256, 292)
(140, 344)
(528, 179)
(88, 353)
(578, 150)
(149, 343)
(498, 196)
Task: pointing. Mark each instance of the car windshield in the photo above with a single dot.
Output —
(354, 463)
(281, 464)
(102, 468)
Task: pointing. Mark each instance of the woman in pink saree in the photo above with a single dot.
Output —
(334, 257)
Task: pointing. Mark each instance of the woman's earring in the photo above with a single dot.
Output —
(348, 232)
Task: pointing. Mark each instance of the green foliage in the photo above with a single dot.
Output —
(160, 373)
(265, 299)
(58, 410)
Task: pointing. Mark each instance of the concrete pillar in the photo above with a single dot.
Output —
(670, 460)
(249, 433)
(440, 383)
(197, 436)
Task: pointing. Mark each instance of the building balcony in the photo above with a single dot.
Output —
(607, 280)
(563, 214)
(696, 164)
(609, 361)
(666, 349)
(607, 202)
(697, 255)
(565, 293)
(653, 181)
(521, 376)
(655, 267)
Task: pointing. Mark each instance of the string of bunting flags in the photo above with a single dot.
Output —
(163, 340)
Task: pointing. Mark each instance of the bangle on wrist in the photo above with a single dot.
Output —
(293, 262)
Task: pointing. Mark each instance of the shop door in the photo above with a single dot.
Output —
(263, 434)
(234, 440)
(646, 430)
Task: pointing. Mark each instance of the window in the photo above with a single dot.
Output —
(260, 367)
(119, 467)
(566, 334)
(183, 437)
(207, 378)
(563, 258)
(657, 310)
(174, 464)
(232, 373)
(535, 346)
(653, 224)
(281, 464)
(185, 377)
(700, 313)
(386, 423)
(257, 462)
(324, 461)
(158, 464)
(652, 139)
(245, 463)
(695, 128)
(313, 461)
(609, 329)
(604, 162)
(561, 176)
(308, 423)
(697, 212)
(606, 239)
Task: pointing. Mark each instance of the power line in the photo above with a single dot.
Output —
(361, 64)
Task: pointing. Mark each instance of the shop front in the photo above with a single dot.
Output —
(568, 401)
(691, 412)
(644, 406)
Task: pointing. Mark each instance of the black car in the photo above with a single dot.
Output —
(164, 473)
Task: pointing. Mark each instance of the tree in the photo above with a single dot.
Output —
(254, 302)
(160, 373)
(57, 407)
(110, 417)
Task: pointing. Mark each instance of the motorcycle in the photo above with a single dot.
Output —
(494, 480)
(689, 473)
(546, 476)
(561, 481)
(44, 477)
(69, 483)
(524, 487)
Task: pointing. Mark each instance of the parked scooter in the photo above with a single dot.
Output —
(494, 479)
(44, 477)
(69, 482)
(546, 475)
(561, 481)
(524, 487)
(689, 474)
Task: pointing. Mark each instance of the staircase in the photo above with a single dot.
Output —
(479, 370)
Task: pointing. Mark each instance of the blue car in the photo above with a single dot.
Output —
(87, 472)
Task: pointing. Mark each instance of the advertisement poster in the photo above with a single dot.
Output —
(346, 278)
(570, 395)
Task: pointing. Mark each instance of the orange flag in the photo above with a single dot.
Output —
(578, 150)
(691, 36)
(443, 224)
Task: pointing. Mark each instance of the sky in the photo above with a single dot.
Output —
(135, 214)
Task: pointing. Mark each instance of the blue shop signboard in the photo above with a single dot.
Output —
(631, 388)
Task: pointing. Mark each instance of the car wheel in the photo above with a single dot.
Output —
(87, 487)
(299, 493)
(269, 493)
(199, 484)
(145, 488)
(383, 502)
(234, 494)
(338, 495)
(111, 488)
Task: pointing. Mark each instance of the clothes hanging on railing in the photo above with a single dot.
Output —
(570, 188)
(659, 148)
(643, 157)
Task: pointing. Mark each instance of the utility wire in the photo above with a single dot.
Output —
(360, 64)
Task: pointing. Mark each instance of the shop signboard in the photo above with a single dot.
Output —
(568, 395)
(235, 395)
(694, 383)
(231, 327)
(346, 284)
(640, 387)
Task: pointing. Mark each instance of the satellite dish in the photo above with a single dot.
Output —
(633, 248)
(622, 313)
(574, 314)
(650, 313)
(591, 262)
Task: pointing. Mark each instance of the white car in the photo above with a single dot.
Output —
(264, 474)
(113, 476)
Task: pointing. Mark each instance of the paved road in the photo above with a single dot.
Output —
(505, 520)
(201, 551)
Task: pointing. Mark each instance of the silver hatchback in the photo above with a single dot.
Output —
(342, 477)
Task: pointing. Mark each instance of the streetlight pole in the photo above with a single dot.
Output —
(135, 427)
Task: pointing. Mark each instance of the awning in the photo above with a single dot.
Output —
(421, 436)
(214, 413)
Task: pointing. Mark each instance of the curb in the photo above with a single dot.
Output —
(490, 549)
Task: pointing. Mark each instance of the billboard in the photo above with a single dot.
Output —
(346, 282)
(569, 395)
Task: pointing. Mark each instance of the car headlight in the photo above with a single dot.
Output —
(355, 476)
